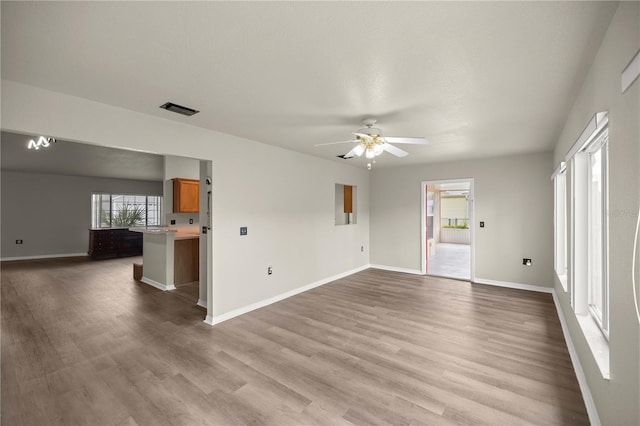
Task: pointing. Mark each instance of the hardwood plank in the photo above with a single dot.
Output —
(85, 344)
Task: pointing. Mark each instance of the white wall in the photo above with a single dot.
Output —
(340, 218)
(286, 199)
(512, 196)
(616, 399)
(181, 167)
(52, 213)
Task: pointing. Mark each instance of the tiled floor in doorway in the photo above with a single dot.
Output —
(451, 260)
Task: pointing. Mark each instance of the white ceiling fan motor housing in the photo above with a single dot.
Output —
(371, 131)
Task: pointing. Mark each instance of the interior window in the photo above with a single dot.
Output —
(345, 204)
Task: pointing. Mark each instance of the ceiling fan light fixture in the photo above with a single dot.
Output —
(370, 153)
(370, 142)
(369, 131)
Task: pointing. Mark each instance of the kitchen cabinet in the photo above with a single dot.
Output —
(186, 254)
(186, 195)
(348, 199)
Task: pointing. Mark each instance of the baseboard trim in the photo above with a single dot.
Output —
(158, 285)
(202, 303)
(217, 319)
(518, 286)
(42, 256)
(395, 269)
(589, 403)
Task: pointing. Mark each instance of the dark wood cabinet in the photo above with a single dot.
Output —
(186, 195)
(114, 242)
(186, 263)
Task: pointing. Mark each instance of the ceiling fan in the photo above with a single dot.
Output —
(371, 142)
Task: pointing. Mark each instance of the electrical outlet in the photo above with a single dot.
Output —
(173, 221)
(526, 262)
(243, 230)
(269, 270)
(18, 241)
(361, 248)
(190, 221)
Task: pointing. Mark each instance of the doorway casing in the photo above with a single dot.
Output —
(423, 220)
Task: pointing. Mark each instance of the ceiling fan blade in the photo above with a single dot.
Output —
(394, 150)
(415, 141)
(358, 150)
(334, 143)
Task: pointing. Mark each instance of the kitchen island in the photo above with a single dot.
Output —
(170, 255)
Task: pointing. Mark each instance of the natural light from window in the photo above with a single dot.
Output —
(597, 196)
(560, 224)
(124, 211)
(587, 265)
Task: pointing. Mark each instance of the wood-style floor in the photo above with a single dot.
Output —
(85, 344)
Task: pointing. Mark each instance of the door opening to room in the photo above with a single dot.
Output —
(447, 236)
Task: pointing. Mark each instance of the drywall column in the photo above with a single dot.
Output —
(157, 268)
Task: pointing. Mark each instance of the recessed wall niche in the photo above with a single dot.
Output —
(345, 205)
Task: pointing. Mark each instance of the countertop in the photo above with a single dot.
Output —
(181, 232)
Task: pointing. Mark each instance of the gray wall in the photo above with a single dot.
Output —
(616, 399)
(52, 213)
(513, 196)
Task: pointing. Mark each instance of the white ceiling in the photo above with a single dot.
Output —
(78, 159)
(475, 78)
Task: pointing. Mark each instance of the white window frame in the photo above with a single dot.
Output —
(582, 219)
(560, 259)
(596, 333)
(600, 314)
(111, 195)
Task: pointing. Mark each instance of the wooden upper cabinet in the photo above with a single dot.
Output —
(348, 199)
(186, 195)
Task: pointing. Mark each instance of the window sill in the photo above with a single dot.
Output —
(597, 343)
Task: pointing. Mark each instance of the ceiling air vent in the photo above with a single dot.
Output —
(179, 109)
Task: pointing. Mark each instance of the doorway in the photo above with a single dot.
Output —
(447, 229)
